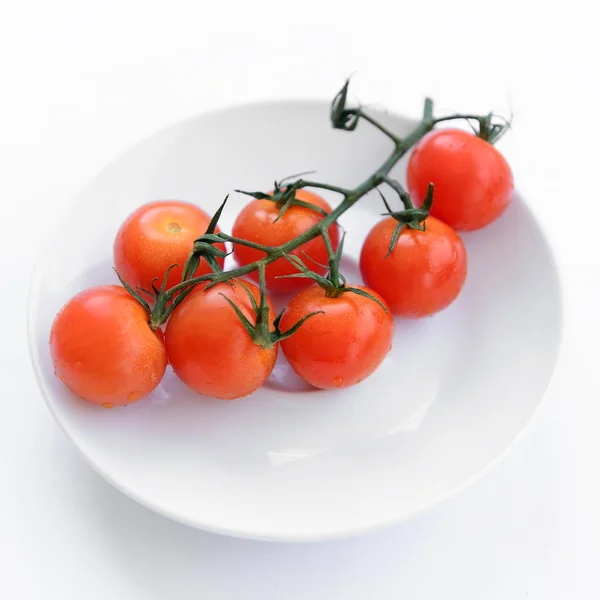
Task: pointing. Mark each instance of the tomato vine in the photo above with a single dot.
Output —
(344, 118)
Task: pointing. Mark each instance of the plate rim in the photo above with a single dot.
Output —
(291, 536)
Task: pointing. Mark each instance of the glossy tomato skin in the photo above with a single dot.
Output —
(256, 222)
(103, 349)
(156, 236)
(473, 183)
(341, 347)
(424, 273)
(209, 348)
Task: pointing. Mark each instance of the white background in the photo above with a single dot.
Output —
(79, 82)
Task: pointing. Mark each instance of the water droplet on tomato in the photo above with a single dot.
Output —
(337, 381)
(108, 405)
(78, 365)
(133, 396)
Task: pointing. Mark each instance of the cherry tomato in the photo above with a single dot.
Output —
(256, 222)
(425, 271)
(156, 236)
(344, 345)
(103, 349)
(473, 182)
(209, 348)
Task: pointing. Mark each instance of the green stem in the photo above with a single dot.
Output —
(362, 115)
(334, 266)
(262, 319)
(428, 110)
(324, 186)
(402, 193)
(453, 117)
(229, 238)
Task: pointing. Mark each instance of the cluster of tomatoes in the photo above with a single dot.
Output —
(105, 350)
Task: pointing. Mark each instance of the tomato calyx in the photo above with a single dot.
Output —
(260, 332)
(157, 295)
(285, 197)
(347, 119)
(490, 128)
(342, 117)
(411, 217)
(203, 247)
(334, 283)
(491, 131)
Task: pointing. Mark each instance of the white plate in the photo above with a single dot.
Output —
(289, 463)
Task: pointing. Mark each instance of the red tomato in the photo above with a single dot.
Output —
(472, 181)
(341, 347)
(257, 223)
(425, 271)
(209, 348)
(156, 236)
(103, 349)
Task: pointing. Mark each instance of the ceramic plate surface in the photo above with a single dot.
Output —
(288, 462)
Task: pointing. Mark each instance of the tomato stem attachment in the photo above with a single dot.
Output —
(334, 284)
(260, 332)
(413, 218)
(203, 248)
(155, 312)
(490, 127)
(134, 293)
(285, 197)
